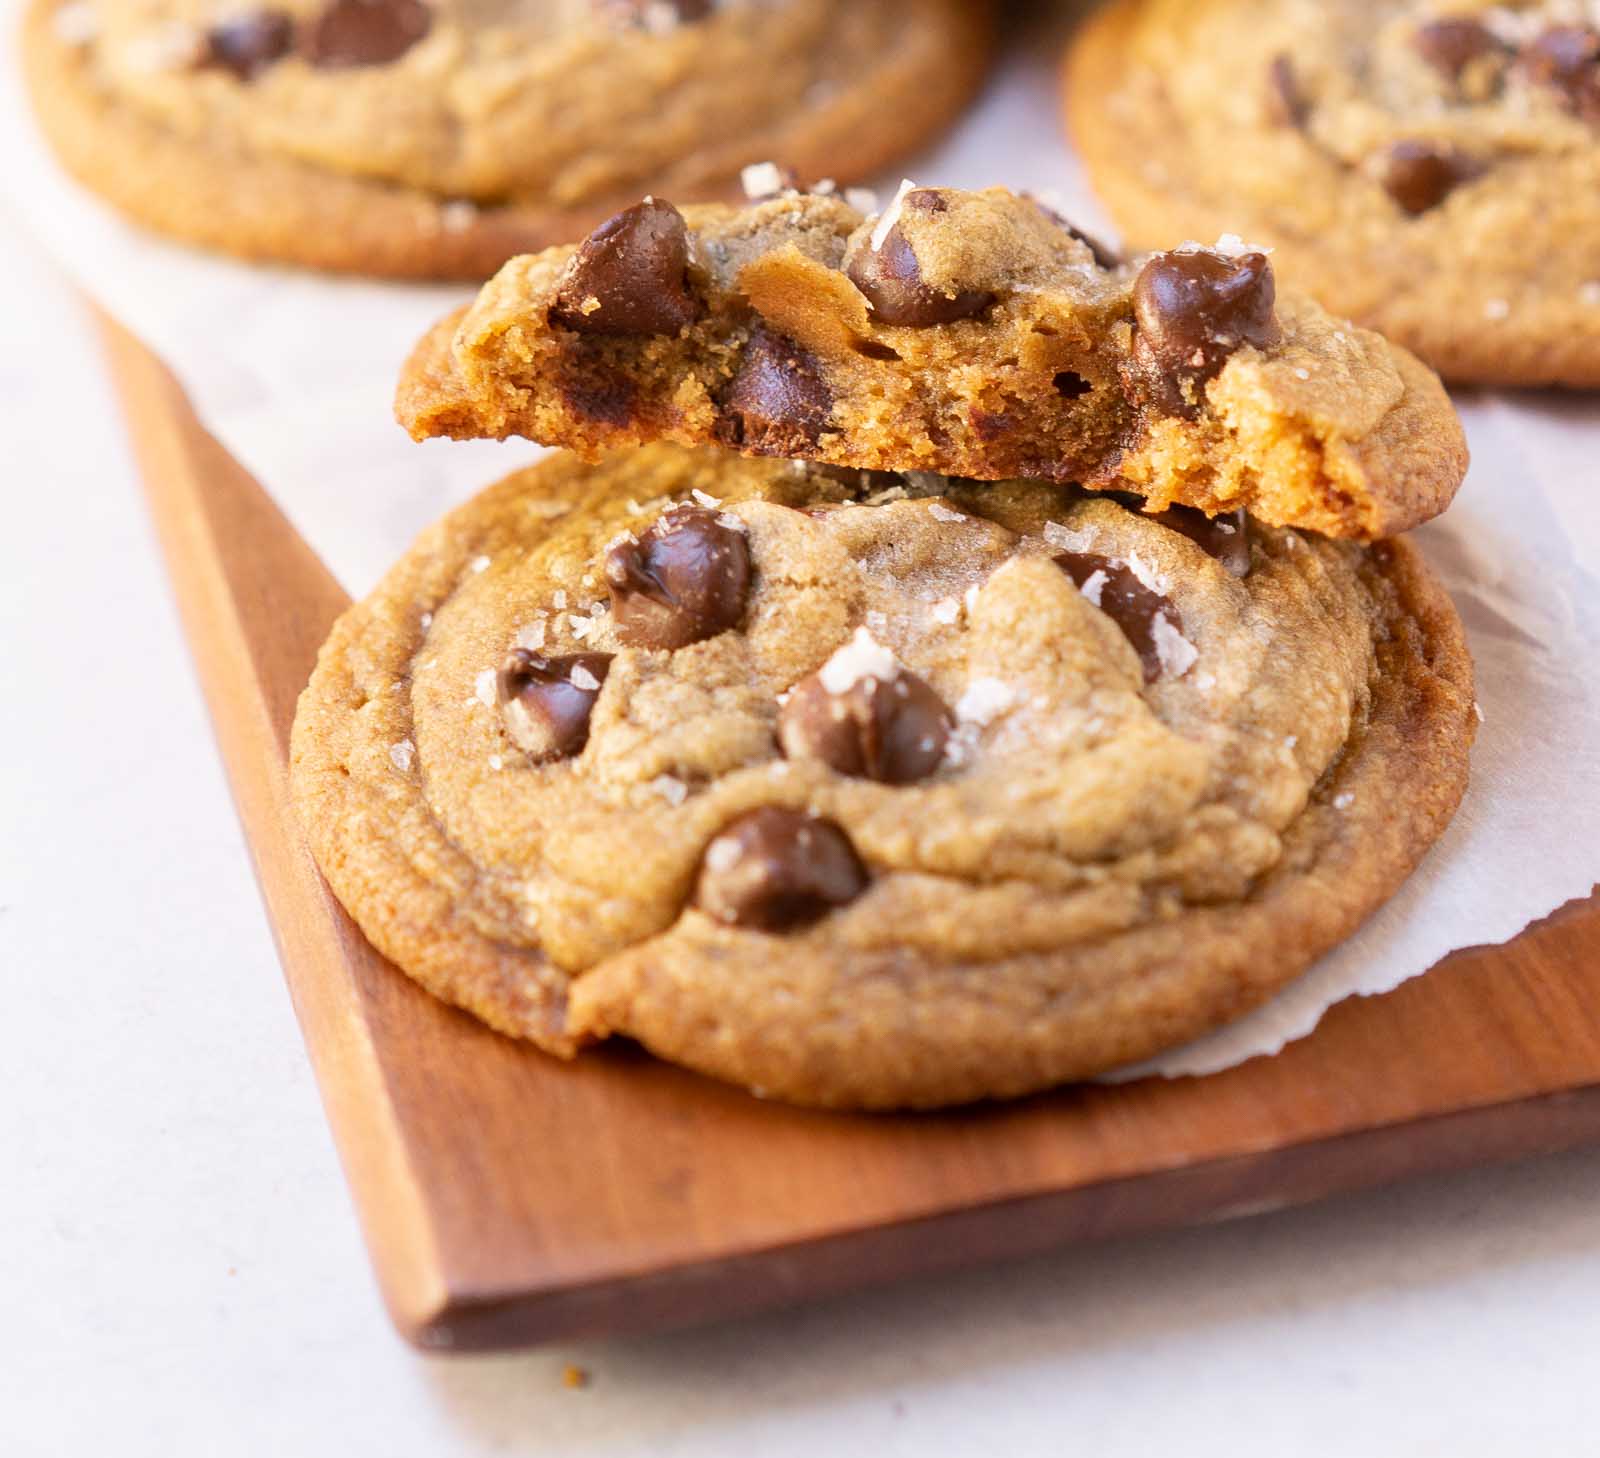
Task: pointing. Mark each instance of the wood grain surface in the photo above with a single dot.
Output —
(508, 1198)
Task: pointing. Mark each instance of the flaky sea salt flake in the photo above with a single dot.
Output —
(401, 755)
(985, 700)
(863, 657)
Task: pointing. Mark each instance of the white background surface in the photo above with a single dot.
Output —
(181, 1270)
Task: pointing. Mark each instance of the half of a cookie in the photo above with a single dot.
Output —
(873, 792)
(975, 334)
(1432, 170)
(437, 138)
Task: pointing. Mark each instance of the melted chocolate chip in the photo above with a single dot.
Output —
(893, 731)
(891, 278)
(364, 32)
(1192, 310)
(1567, 59)
(1286, 102)
(1131, 605)
(1225, 537)
(778, 404)
(773, 869)
(248, 44)
(684, 580)
(630, 276)
(1419, 176)
(1452, 43)
(546, 702)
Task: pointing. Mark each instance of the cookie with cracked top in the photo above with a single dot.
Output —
(1428, 167)
(975, 333)
(437, 138)
(873, 791)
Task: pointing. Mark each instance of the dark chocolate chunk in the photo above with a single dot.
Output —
(772, 869)
(685, 579)
(1192, 310)
(778, 404)
(1286, 102)
(893, 730)
(1419, 175)
(891, 278)
(1131, 605)
(1453, 42)
(546, 702)
(1567, 59)
(364, 32)
(248, 44)
(1225, 537)
(630, 276)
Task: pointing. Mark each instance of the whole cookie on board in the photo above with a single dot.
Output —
(974, 333)
(436, 138)
(869, 791)
(1429, 167)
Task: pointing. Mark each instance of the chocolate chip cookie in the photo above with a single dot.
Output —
(1429, 167)
(974, 333)
(920, 790)
(436, 138)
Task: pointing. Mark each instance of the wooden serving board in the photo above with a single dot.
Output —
(508, 1198)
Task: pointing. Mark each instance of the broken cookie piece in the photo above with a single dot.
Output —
(971, 333)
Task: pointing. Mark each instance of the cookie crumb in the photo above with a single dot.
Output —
(401, 755)
(574, 1376)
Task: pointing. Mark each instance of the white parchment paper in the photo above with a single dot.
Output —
(294, 373)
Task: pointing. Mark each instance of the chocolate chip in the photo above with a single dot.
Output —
(1286, 102)
(1451, 44)
(891, 278)
(773, 869)
(1225, 537)
(684, 580)
(778, 404)
(1567, 58)
(364, 32)
(248, 44)
(891, 730)
(1124, 599)
(1419, 176)
(546, 702)
(1192, 310)
(629, 276)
